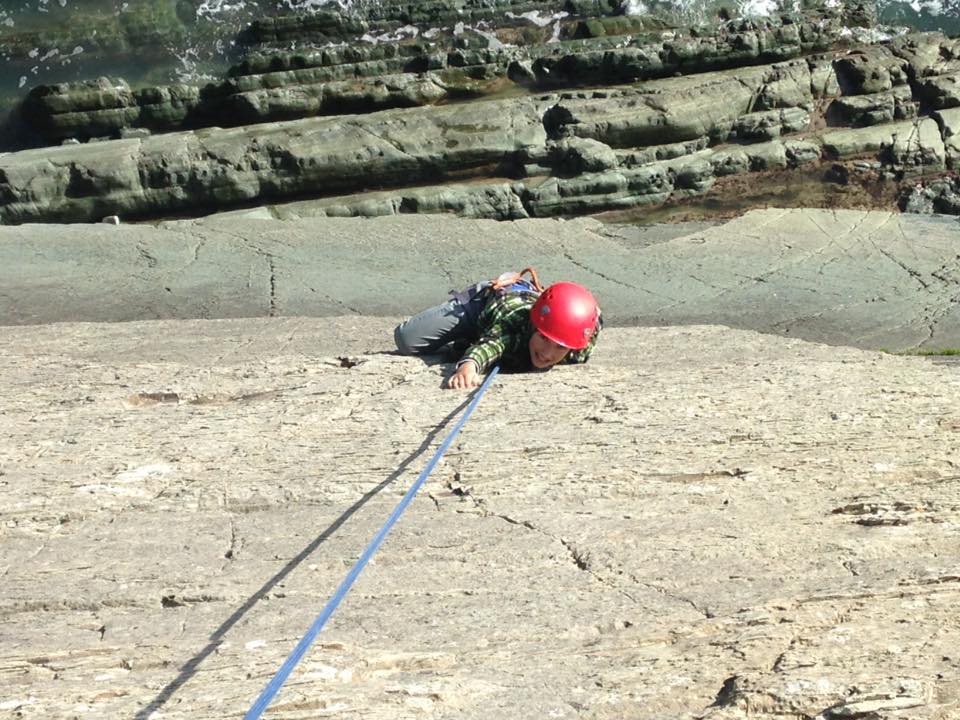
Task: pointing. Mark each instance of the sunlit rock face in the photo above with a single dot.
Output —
(700, 522)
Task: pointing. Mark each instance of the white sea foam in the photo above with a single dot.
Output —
(188, 65)
(759, 8)
(209, 9)
(492, 40)
(309, 5)
(556, 33)
(636, 7)
(397, 35)
(537, 19)
(872, 35)
(931, 7)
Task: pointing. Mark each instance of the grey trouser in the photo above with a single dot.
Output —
(454, 321)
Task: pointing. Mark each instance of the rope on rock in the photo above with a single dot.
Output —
(273, 687)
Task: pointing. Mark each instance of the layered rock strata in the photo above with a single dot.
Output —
(279, 86)
(884, 112)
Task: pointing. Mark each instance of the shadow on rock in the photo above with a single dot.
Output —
(189, 668)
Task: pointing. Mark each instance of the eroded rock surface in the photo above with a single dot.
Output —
(699, 523)
(868, 279)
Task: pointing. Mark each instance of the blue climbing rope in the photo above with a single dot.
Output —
(273, 687)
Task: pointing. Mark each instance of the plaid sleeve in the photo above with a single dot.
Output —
(485, 352)
(502, 323)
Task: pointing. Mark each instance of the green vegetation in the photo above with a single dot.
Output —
(925, 352)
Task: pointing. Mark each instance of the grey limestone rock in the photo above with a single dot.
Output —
(573, 156)
(180, 171)
(845, 277)
(927, 53)
(317, 26)
(663, 111)
(770, 124)
(787, 84)
(941, 91)
(770, 155)
(679, 536)
(846, 143)
(875, 69)
(802, 152)
(873, 109)
(949, 121)
(407, 125)
(933, 196)
(640, 156)
(277, 85)
(106, 106)
(334, 98)
(194, 170)
(918, 149)
(737, 43)
(730, 160)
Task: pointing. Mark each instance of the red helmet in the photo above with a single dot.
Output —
(567, 314)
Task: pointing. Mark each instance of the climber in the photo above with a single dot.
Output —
(510, 321)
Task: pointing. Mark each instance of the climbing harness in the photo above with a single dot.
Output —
(514, 282)
(474, 297)
(273, 687)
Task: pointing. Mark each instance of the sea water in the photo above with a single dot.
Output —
(161, 41)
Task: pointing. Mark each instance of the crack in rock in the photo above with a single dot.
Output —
(580, 558)
(231, 552)
(706, 612)
(273, 286)
(916, 275)
(599, 274)
(150, 259)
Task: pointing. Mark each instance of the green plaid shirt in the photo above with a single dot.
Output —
(505, 331)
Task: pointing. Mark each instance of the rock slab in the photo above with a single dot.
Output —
(877, 280)
(699, 523)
